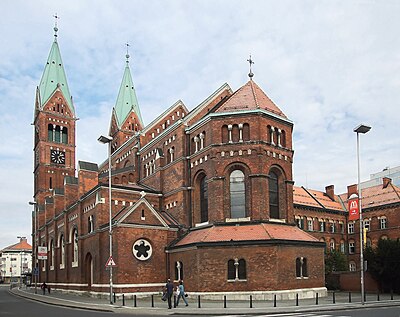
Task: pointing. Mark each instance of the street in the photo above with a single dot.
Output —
(12, 305)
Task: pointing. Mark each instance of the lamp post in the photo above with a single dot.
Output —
(36, 269)
(107, 140)
(20, 265)
(360, 129)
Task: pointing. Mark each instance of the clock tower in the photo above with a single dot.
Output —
(54, 128)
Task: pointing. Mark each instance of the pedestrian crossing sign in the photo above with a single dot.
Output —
(110, 262)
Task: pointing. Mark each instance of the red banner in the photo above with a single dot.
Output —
(353, 209)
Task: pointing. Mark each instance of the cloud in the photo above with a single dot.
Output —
(328, 67)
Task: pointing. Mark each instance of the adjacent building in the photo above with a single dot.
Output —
(16, 261)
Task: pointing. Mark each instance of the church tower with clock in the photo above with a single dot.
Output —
(54, 124)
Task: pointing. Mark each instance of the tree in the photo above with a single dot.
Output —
(335, 261)
(383, 263)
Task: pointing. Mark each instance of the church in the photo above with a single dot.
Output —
(203, 195)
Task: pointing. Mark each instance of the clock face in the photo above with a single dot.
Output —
(57, 157)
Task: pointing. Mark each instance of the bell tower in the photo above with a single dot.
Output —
(54, 128)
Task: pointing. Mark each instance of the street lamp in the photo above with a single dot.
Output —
(20, 266)
(107, 140)
(36, 269)
(360, 129)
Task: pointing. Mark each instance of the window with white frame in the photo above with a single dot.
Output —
(178, 271)
(301, 267)
(342, 246)
(352, 266)
(62, 251)
(236, 270)
(75, 248)
(383, 223)
(90, 224)
(350, 227)
(322, 225)
(332, 244)
(367, 224)
(310, 226)
(352, 247)
(333, 229)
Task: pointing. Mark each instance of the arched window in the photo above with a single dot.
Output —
(332, 244)
(242, 269)
(283, 138)
(203, 199)
(62, 251)
(224, 134)
(178, 271)
(235, 133)
(301, 267)
(231, 270)
(342, 246)
(52, 255)
(50, 135)
(237, 194)
(75, 246)
(237, 269)
(65, 135)
(57, 136)
(246, 132)
(124, 179)
(90, 224)
(273, 195)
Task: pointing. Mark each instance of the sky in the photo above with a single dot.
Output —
(328, 65)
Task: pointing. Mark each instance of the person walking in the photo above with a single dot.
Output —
(169, 288)
(44, 287)
(181, 293)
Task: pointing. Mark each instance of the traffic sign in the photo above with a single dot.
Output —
(35, 271)
(111, 262)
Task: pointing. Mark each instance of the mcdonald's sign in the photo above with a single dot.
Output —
(353, 209)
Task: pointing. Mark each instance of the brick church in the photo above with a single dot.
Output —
(204, 195)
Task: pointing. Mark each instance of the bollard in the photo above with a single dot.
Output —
(134, 301)
(377, 297)
(274, 300)
(198, 301)
(123, 299)
(316, 299)
(152, 300)
(365, 296)
(334, 297)
(349, 297)
(224, 301)
(115, 298)
(174, 301)
(251, 301)
(297, 299)
(391, 294)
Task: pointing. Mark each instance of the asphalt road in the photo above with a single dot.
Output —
(11, 305)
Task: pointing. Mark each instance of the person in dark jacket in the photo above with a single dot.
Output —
(169, 288)
(44, 287)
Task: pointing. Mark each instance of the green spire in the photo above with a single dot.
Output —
(127, 101)
(54, 76)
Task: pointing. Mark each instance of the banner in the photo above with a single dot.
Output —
(353, 209)
(42, 253)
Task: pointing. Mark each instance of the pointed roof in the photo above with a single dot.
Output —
(20, 246)
(250, 97)
(54, 77)
(126, 101)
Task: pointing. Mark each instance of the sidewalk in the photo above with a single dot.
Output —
(208, 307)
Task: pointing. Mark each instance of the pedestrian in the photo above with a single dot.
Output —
(44, 287)
(181, 293)
(169, 289)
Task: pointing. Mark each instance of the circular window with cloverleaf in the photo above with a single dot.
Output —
(142, 250)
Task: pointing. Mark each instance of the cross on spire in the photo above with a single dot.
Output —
(127, 52)
(250, 62)
(56, 17)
